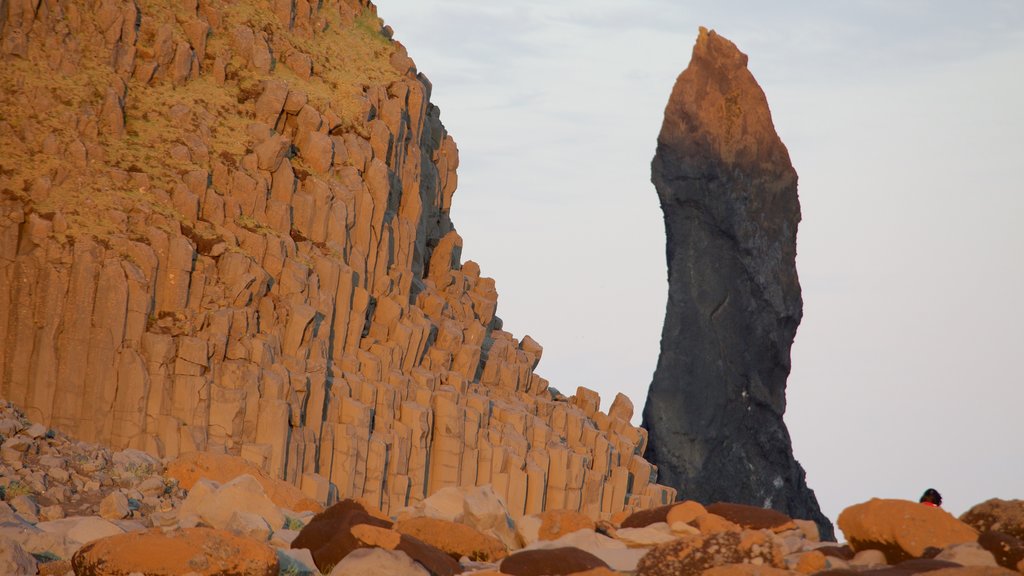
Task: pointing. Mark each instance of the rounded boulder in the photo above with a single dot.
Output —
(902, 529)
(203, 551)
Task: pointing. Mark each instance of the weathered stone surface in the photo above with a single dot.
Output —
(1006, 516)
(550, 562)
(650, 535)
(728, 193)
(478, 507)
(224, 468)
(457, 540)
(694, 554)
(967, 554)
(747, 570)
(1007, 551)
(204, 551)
(328, 536)
(378, 562)
(115, 506)
(14, 559)
(642, 518)
(216, 504)
(752, 517)
(613, 552)
(685, 512)
(902, 529)
(973, 571)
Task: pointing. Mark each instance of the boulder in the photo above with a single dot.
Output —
(747, 570)
(1006, 516)
(753, 517)
(476, 506)
(222, 468)
(248, 525)
(328, 536)
(808, 562)
(642, 518)
(902, 529)
(868, 558)
(346, 527)
(115, 506)
(649, 535)
(967, 554)
(613, 552)
(297, 562)
(550, 562)
(81, 529)
(216, 504)
(713, 523)
(912, 566)
(457, 540)
(551, 525)
(685, 512)
(973, 571)
(378, 562)
(729, 195)
(14, 559)
(1007, 551)
(692, 555)
(204, 551)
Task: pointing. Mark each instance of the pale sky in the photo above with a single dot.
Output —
(905, 123)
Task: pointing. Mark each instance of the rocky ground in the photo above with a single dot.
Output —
(76, 508)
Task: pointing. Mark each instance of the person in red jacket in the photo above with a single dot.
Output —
(931, 497)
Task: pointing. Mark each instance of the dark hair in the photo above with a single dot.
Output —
(932, 495)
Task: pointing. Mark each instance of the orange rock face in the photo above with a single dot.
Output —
(203, 551)
(901, 529)
(226, 227)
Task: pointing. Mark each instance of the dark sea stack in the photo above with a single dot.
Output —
(729, 196)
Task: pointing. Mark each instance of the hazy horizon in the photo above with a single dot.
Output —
(903, 122)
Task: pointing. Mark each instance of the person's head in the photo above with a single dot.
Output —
(931, 496)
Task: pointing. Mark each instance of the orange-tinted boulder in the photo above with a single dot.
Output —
(557, 523)
(685, 512)
(713, 523)
(902, 529)
(456, 540)
(203, 551)
(223, 468)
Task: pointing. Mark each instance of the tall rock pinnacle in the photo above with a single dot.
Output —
(729, 196)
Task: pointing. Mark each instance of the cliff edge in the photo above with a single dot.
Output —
(224, 227)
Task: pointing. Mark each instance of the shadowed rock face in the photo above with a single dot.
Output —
(729, 196)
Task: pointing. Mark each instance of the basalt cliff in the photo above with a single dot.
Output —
(224, 227)
(729, 196)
